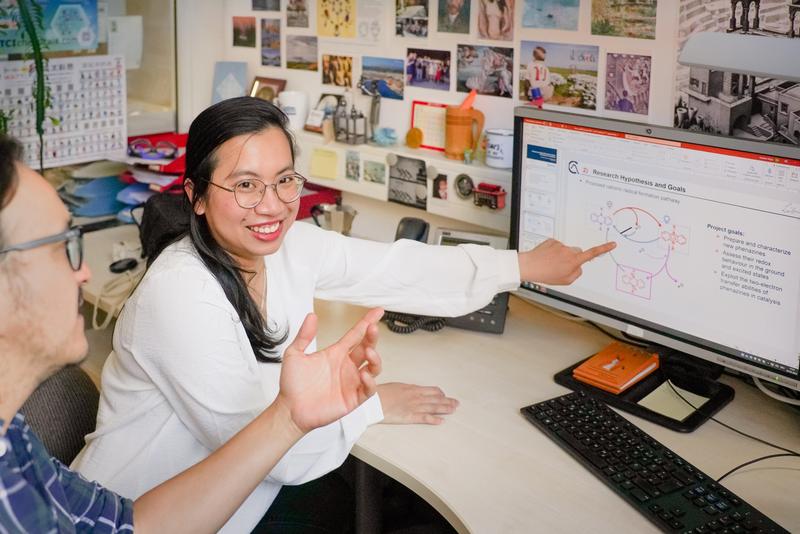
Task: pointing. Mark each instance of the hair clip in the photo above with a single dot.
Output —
(144, 148)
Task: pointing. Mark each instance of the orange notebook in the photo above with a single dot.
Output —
(617, 367)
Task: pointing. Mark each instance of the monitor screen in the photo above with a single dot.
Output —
(707, 231)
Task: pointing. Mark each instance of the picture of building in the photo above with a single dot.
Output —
(735, 104)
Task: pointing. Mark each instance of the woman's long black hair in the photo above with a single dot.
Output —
(215, 125)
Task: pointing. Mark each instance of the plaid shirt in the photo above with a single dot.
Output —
(40, 494)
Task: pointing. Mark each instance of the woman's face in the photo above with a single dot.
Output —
(250, 234)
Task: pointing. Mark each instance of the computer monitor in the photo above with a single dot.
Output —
(707, 230)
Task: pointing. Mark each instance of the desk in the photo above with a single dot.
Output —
(487, 470)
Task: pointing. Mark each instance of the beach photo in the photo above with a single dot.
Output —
(271, 42)
(301, 52)
(487, 69)
(628, 83)
(382, 76)
(551, 14)
(428, 68)
(565, 74)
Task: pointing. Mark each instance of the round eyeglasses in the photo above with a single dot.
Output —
(250, 192)
(73, 241)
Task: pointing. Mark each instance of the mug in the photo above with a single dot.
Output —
(295, 105)
(463, 128)
(499, 148)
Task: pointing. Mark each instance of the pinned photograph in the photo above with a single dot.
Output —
(337, 70)
(297, 14)
(411, 18)
(440, 187)
(487, 69)
(408, 182)
(266, 5)
(627, 18)
(551, 14)
(301, 52)
(244, 31)
(375, 172)
(730, 103)
(352, 165)
(628, 83)
(383, 76)
(271, 42)
(496, 19)
(564, 74)
(428, 68)
(454, 16)
(336, 18)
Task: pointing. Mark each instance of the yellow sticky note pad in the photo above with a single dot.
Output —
(663, 400)
(324, 163)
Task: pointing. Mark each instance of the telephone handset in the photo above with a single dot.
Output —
(491, 318)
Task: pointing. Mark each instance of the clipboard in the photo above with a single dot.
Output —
(430, 118)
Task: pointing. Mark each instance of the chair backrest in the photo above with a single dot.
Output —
(62, 410)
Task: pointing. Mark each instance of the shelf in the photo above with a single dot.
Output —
(454, 207)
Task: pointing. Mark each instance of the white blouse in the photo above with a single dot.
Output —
(182, 378)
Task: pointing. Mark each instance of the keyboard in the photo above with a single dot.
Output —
(669, 491)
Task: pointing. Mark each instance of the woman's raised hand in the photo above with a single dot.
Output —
(553, 262)
(324, 386)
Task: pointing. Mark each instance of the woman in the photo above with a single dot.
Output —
(197, 345)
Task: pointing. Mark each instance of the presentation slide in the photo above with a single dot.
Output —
(721, 263)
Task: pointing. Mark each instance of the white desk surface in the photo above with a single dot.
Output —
(487, 470)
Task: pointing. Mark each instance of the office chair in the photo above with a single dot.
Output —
(62, 410)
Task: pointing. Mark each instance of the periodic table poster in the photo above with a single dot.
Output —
(88, 96)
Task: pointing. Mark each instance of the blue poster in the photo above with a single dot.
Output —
(68, 25)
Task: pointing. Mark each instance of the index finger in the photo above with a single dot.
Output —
(354, 336)
(599, 250)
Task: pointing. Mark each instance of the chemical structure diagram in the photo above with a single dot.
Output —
(646, 245)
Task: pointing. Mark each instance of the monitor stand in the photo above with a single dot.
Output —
(683, 371)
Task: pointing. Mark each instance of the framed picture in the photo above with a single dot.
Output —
(267, 88)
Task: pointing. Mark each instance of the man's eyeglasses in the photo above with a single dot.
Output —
(250, 192)
(73, 242)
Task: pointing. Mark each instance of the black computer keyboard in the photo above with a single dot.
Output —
(668, 490)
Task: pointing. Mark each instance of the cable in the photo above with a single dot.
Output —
(402, 323)
(790, 451)
(752, 462)
(768, 393)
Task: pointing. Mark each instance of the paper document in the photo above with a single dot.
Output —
(324, 163)
(663, 400)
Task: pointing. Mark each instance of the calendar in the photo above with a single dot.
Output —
(88, 98)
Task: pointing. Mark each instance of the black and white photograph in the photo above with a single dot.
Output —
(408, 182)
(738, 105)
(411, 18)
